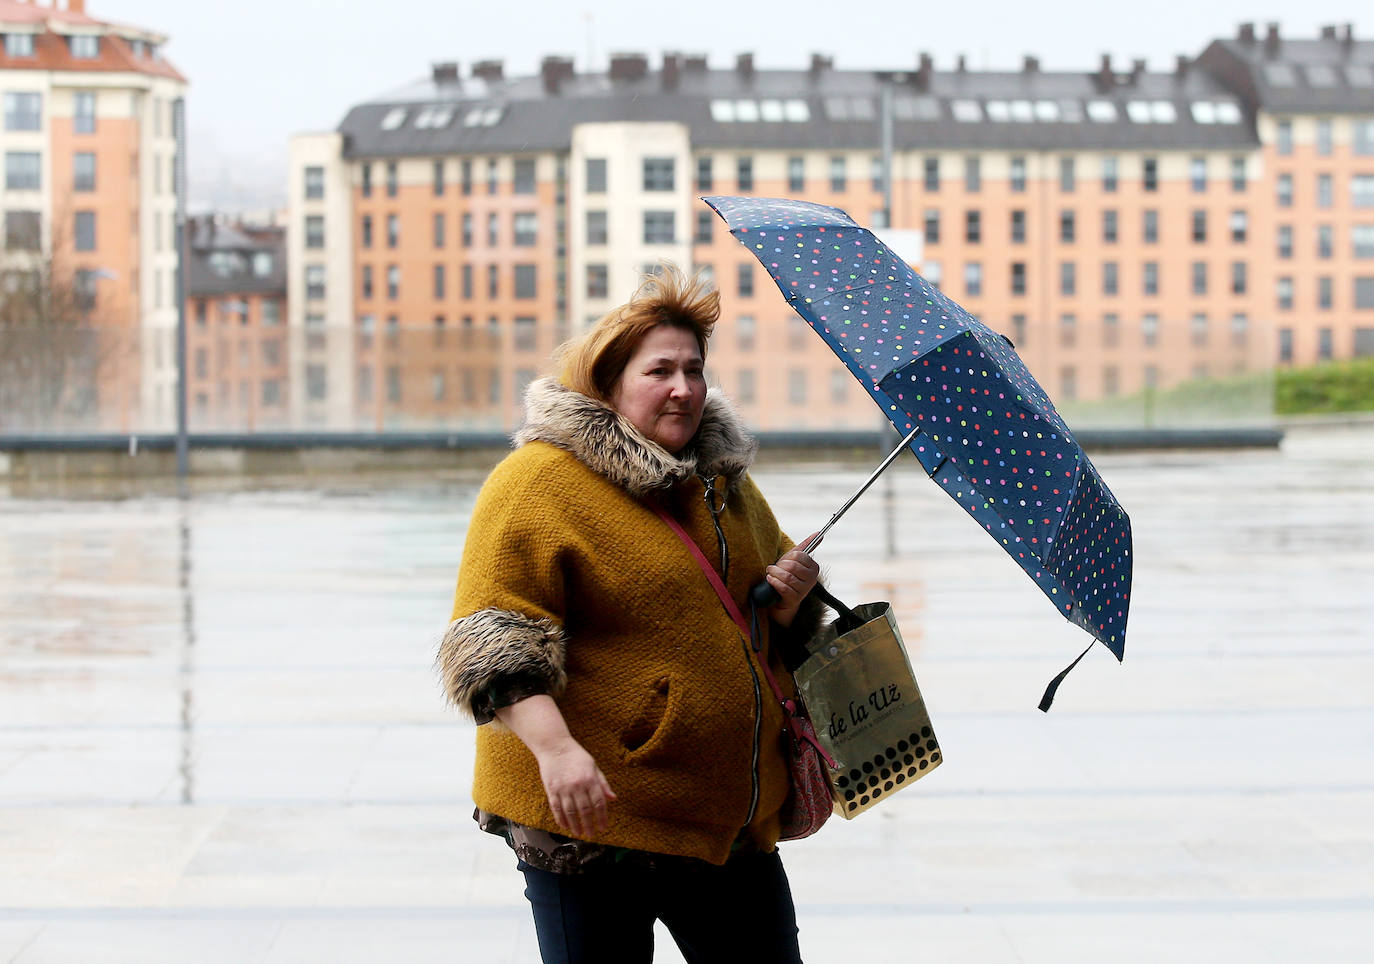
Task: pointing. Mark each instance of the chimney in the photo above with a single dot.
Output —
(1348, 38)
(626, 67)
(1181, 67)
(819, 64)
(1271, 40)
(489, 70)
(1246, 34)
(553, 71)
(672, 70)
(1105, 78)
(1137, 70)
(445, 72)
(694, 63)
(1031, 65)
(1329, 31)
(961, 65)
(923, 72)
(744, 66)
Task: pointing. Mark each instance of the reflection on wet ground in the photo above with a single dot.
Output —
(221, 740)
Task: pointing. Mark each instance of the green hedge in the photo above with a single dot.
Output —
(1334, 387)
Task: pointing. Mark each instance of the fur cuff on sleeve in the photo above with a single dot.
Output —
(492, 644)
(792, 640)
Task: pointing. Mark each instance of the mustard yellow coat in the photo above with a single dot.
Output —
(569, 578)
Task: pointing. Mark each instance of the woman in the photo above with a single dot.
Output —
(631, 752)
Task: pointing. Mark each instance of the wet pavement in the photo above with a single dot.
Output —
(221, 738)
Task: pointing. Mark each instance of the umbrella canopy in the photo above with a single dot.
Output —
(988, 433)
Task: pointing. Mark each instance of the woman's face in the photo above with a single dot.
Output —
(662, 390)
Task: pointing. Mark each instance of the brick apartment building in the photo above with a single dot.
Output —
(1126, 228)
(89, 192)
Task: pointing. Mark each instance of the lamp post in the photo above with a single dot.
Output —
(179, 185)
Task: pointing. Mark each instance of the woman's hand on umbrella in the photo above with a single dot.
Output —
(792, 576)
(577, 789)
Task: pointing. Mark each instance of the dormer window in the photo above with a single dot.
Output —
(84, 46)
(18, 45)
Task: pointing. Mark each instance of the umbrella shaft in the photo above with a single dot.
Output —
(891, 456)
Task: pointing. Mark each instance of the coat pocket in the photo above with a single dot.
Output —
(647, 725)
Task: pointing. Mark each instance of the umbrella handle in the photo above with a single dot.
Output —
(764, 595)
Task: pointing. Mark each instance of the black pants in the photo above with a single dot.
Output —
(739, 912)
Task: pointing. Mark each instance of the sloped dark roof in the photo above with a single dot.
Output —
(1318, 72)
(534, 120)
(205, 279)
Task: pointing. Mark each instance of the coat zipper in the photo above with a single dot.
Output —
(758, 734)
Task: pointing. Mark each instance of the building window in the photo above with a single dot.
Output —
(1197, 174)
(1018, 174)
(438, 178)
(973, 278)
(365, 184)
(1149, 330)
(365, 230)
(1197, 327)
(659, 227)
(440, 229)
(365, 282)
(466, 230)
(1362, 137)
(465, 176)
(85, 231)
(393, 281)
(746, 280)
(746, 329)
(1362, 190)
(1068, 383)
(597, 227)
(705, 175)
(1149, 173)
(83, 112)
(796, 174)
(1324, 137)
(1066, 175)
(1109, 226)
(393, 176)
(744, 173)
(526, 336)
(1283, 141)
(1066, 227)
(314, 231)
(973, 227)
(1111, 330)
(393, 230)
(467, 282)
(18, 45)
(1325, 295)
(525, 281)
(973, 175)
(1068, 330)
(1150, 227)
(1325, 344)
(1325, 191)
(1018, 330)
(1018, 277)
(1111, 381)
(838, 175)
(23, 170)
(931, 174)
(1285, 190)
(1285, 240)
(316, 382)
(493, 229)
(526, 226)
(1018, 226)
(798, 333)
(1238, 278)
(1362, 240)
(493, 175)
(1285, 344)
(1109, 174)
(706, 221)
(314, 281)
(523, 175)
(1239, 226)
(1238, 175)
(440, 283)
(1364, 294)
(744, 391)
(1150, 278)
(1111, 281)
(1199, 277)
(1199, 227)
(314, 183)
(493, 281)
(877, 175)
(596, 175)
(658, 173)
(84, 46)
(932, 226)
(598, 281)
(796, 386)
(1068, 278)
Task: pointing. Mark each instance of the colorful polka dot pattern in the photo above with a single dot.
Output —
(990, 436)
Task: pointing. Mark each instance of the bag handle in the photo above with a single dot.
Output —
(789, 706)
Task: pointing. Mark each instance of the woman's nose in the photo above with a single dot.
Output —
(679, 385)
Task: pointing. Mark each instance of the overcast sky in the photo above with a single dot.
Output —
(261, 70)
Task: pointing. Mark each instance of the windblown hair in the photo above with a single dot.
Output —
(593, 362)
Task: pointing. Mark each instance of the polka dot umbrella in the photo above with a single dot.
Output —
(985, 430)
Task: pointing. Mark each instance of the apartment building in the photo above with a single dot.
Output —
(89, 194)
(236, 342)
(1125, 228)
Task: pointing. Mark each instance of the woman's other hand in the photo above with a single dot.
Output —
(577, 789)
(793, 576)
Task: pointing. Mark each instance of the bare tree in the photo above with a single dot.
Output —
(53, 351)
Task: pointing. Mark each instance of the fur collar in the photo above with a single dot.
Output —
(607, 443)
